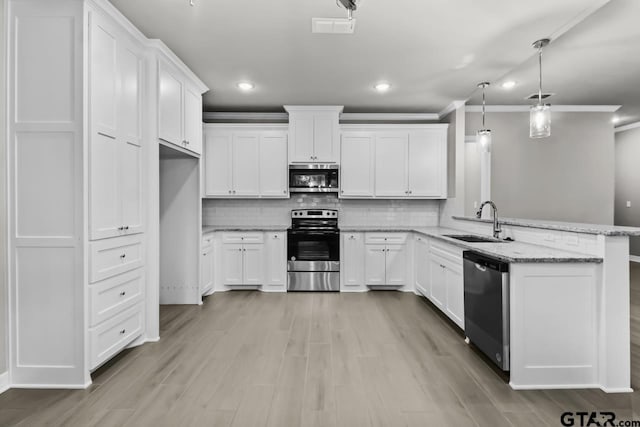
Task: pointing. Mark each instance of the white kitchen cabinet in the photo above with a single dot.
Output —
(447, 283)
(386, 259)
(245, 161)
(406, 161)
(242, 259)
(352, 261)
(276, 261)
(179, 109)
(421, 262)
(206, 265)
(356, 164)
(391, 165)
(115, 169)
(314, 133)
(274, 176)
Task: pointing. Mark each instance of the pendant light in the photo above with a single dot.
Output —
(483, 136)
(540, 114)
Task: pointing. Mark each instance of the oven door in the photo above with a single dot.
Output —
(313, 180)
(313, 250)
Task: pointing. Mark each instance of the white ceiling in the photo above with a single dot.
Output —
(431, 51)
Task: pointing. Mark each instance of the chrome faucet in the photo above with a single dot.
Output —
(496, 226)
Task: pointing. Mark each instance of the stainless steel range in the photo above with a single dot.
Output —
(313, 250)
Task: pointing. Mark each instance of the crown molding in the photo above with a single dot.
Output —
(162, 49)
(296, 108)
(389, 117)
(451, 107)
(627, 127)
(241, 116)
(559, 108)
(248, 126)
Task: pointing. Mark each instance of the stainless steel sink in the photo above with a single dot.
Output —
(471, 238)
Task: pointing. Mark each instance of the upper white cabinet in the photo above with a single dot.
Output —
(394, 161)
(115, 150)
(245, 161)
(179, 109)
(314, 133)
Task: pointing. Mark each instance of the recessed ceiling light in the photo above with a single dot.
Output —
(245, 86)
(509, 84)
(615, 120)
(382, 87)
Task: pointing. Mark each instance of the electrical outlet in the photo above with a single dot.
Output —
(475, 205)
(628, 203)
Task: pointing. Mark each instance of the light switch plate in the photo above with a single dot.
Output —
(628, 203)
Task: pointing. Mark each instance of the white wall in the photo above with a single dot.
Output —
(455, 203)
(628, 182)
(3, 196)
(567, 177)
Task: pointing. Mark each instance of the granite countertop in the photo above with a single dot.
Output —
(514, 252)
(605, 230)
(212, 228)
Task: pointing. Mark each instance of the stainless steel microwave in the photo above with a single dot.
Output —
(313, 178)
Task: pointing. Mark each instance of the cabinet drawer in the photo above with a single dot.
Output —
(451, 253)
(111, 296)
(257, 237)
(386, 238)
(115, 334)
(115, 256)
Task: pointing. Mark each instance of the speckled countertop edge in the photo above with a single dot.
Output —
(213, 228)
(599, 229)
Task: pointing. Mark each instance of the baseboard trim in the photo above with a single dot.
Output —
(4, 382)
(53, 386)
(617, 390)
(154, 339)
(634, 258)
(554, 386)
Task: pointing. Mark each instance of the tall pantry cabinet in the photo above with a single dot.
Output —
(82, 135)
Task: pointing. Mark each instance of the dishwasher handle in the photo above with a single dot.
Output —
(484, 262)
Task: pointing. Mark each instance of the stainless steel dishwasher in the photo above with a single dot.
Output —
(486, 306)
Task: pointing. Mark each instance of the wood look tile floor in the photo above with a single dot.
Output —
(253, 359)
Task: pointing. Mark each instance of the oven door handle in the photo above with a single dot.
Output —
(315, 232)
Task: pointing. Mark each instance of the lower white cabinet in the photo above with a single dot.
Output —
(421, 262)
(111, 336)
(447, 281)
(242, 263)
(352, 261)
(110, 296)
(386, 259)
(206, 265)
(276, 261)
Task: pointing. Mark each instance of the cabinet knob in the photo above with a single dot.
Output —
(284, 191)
(244, 250)
(120, 228)
(126, 227)
(240, 250)
(229, 191)
(187, 142)
(122, 332)
(234, 191)
(275, 236)
(410, 192)
(123, 256)
(123, 293)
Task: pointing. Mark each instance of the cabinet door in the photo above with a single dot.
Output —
(253, 260)
(170, 110)
(104, 192)
(438, 291)
(104, 77)
(454, 283)
(232, 264)
(422, 265)
(323, 138)
(302, 135)
(193, 120)
(391, 165)
(426, 163)
(217, 160)
(131, 190)
(375, 265)
(206, 270)
(356, 160)
(274, 179)
(396, 267)
(276, 259)
(245, 164)
(130, 94)
(352, 260)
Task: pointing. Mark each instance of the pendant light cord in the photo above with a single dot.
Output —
(540, 77)
(483, 106)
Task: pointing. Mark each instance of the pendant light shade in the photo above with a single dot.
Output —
(483, 136)
(540, 114)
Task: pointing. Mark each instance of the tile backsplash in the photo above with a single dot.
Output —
(418, 213)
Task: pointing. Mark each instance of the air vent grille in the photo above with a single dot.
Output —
(534, 96)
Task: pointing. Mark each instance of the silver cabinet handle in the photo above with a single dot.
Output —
(123, 293)
(123, 256)
(106, 135)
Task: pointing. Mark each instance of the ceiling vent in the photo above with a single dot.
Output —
(333, 25)
(535, 96)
